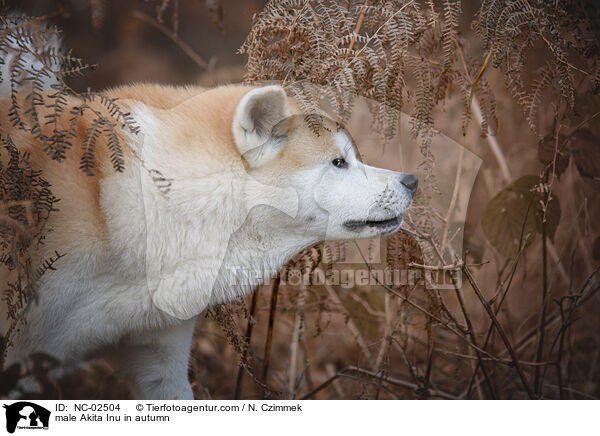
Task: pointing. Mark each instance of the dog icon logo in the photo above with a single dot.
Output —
(26, 415)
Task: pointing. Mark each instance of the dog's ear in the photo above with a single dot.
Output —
(258, 112)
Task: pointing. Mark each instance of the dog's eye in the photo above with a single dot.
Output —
(339, 162)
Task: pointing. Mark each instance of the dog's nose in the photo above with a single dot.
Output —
(410, 182)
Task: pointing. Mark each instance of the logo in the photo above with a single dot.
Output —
(26, 415)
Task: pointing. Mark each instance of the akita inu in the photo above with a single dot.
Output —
(249, 184)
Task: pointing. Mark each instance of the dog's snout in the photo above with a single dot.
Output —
(410, 182)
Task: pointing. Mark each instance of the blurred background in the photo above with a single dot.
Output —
(351, 342)
(118, 39)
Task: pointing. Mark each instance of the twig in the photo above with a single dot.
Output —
(370, 38)
(248, 338)
(268, 341)
(493, 143)
(456, 266)
(551, 47)
(412, 303)
(411, 368)
(298, 327)
(542, 323)
(506, 174)
(551, 249)
(575, 391)
(371, 374)
(507, 362)
(587, 120)
(359, 23)
(473, 103)
(501, 301)
(527, 337)
(330, 372)
(451, 207)
(501, 332)
(453, 199)
(195, 57)
(435, 248)
(387, 334)
(471, 332)
(462, 334)
(430, 352)
(576, 301)
(298, 15)
(353, 329)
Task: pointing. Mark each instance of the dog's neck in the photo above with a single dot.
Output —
(255, 254)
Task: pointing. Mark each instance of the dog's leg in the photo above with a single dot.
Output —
(158, 363)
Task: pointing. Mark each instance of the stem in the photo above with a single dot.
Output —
(493, 143)
(387, 332)
(461, 154)
(189, 51)
(430, 351)
(248, 337)
(561, 391)
(501, 332)
(474, 340)
(268, 342)
(542, 325)
(376, 376)
(298, 328)
(370, 38)
(351, 325)
(359, 23)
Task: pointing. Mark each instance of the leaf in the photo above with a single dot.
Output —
(519, 210)
(401, 250)
(587, 105)
(585, 149)
(547, 150)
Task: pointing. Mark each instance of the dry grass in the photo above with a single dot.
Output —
(522, 327)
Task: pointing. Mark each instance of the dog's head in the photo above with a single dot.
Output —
(334, 187)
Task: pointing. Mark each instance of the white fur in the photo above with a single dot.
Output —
(212, 237)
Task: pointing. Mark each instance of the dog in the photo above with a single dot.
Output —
(217, 184)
